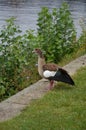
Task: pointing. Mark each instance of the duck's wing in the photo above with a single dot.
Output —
(49, 70)
(50, 67)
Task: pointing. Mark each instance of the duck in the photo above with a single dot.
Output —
(51, 71)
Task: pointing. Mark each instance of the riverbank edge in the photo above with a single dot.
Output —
(14, 105)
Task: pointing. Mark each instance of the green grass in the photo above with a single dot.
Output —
(70, 57)
(63, 108)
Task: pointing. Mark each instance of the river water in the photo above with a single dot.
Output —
(26, 11)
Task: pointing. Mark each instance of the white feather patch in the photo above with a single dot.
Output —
(48, 73)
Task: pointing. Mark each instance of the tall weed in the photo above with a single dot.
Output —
(56, 31)
(15, 58)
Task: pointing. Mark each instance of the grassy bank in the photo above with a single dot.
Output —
(63, 108)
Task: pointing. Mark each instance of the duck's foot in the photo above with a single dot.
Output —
(50, 86)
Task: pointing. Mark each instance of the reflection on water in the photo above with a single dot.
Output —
(26, 11)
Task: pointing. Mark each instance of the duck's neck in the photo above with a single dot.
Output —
(41, 62)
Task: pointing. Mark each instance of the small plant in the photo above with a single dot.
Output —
(15, 58)
(56, 32)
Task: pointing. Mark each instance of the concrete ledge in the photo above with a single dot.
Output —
(15, 104)
(73, 66)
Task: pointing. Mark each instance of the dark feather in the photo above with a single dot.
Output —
(63, 76)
